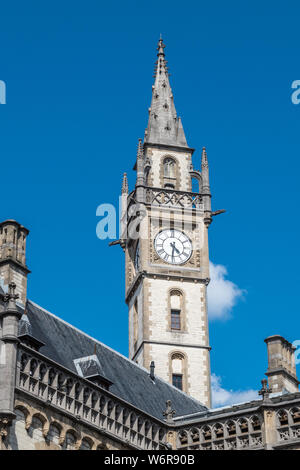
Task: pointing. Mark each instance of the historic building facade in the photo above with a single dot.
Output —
(62, 389)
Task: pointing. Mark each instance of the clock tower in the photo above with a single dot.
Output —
(165, 222)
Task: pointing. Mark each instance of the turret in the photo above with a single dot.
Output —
(13, 257)
(281, 371)
(9, 318)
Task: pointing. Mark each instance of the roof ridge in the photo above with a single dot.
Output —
(116, 352)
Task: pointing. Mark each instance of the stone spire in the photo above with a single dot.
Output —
(164, 127)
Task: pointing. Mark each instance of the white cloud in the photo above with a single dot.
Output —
(223, 397)
(222, 294)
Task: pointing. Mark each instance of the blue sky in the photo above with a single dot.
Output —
(78, 77)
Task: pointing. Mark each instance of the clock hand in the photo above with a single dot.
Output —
(174, 247)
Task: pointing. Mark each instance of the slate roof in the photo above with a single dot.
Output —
(63, 343)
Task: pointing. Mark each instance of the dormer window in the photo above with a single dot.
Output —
(90, 368)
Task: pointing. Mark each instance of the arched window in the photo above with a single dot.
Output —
(169, 168)
(178, 370)
(169, 173)
(176, 310)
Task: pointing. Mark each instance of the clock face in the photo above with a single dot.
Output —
(173, 246)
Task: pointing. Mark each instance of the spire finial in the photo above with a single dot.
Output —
(160, 47)
(125, 184)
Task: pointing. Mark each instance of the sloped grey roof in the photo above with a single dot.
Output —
(64, 343)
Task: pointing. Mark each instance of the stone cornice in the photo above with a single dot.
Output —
(170, 343)
(178, 148)
(16, 263)
(283, 371)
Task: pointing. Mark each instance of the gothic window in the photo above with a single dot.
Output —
(169, 168)
(295, 413)
(53, 434)
(37, 430)
(177, 381)
(231, 428)
(183, 437)
(169, 172)
(206, 432)
(85, 444)
(256, 425)
(283, 417)
(243, 425)
(178, 366)
(219, 431)
(70, 441)
(175, 320)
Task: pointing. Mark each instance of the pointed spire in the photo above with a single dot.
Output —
(125, 184)
(204, 161)
(164, 126)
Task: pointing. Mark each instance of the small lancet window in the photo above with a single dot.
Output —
(176, 306)
(169, 168)
(178, 370)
